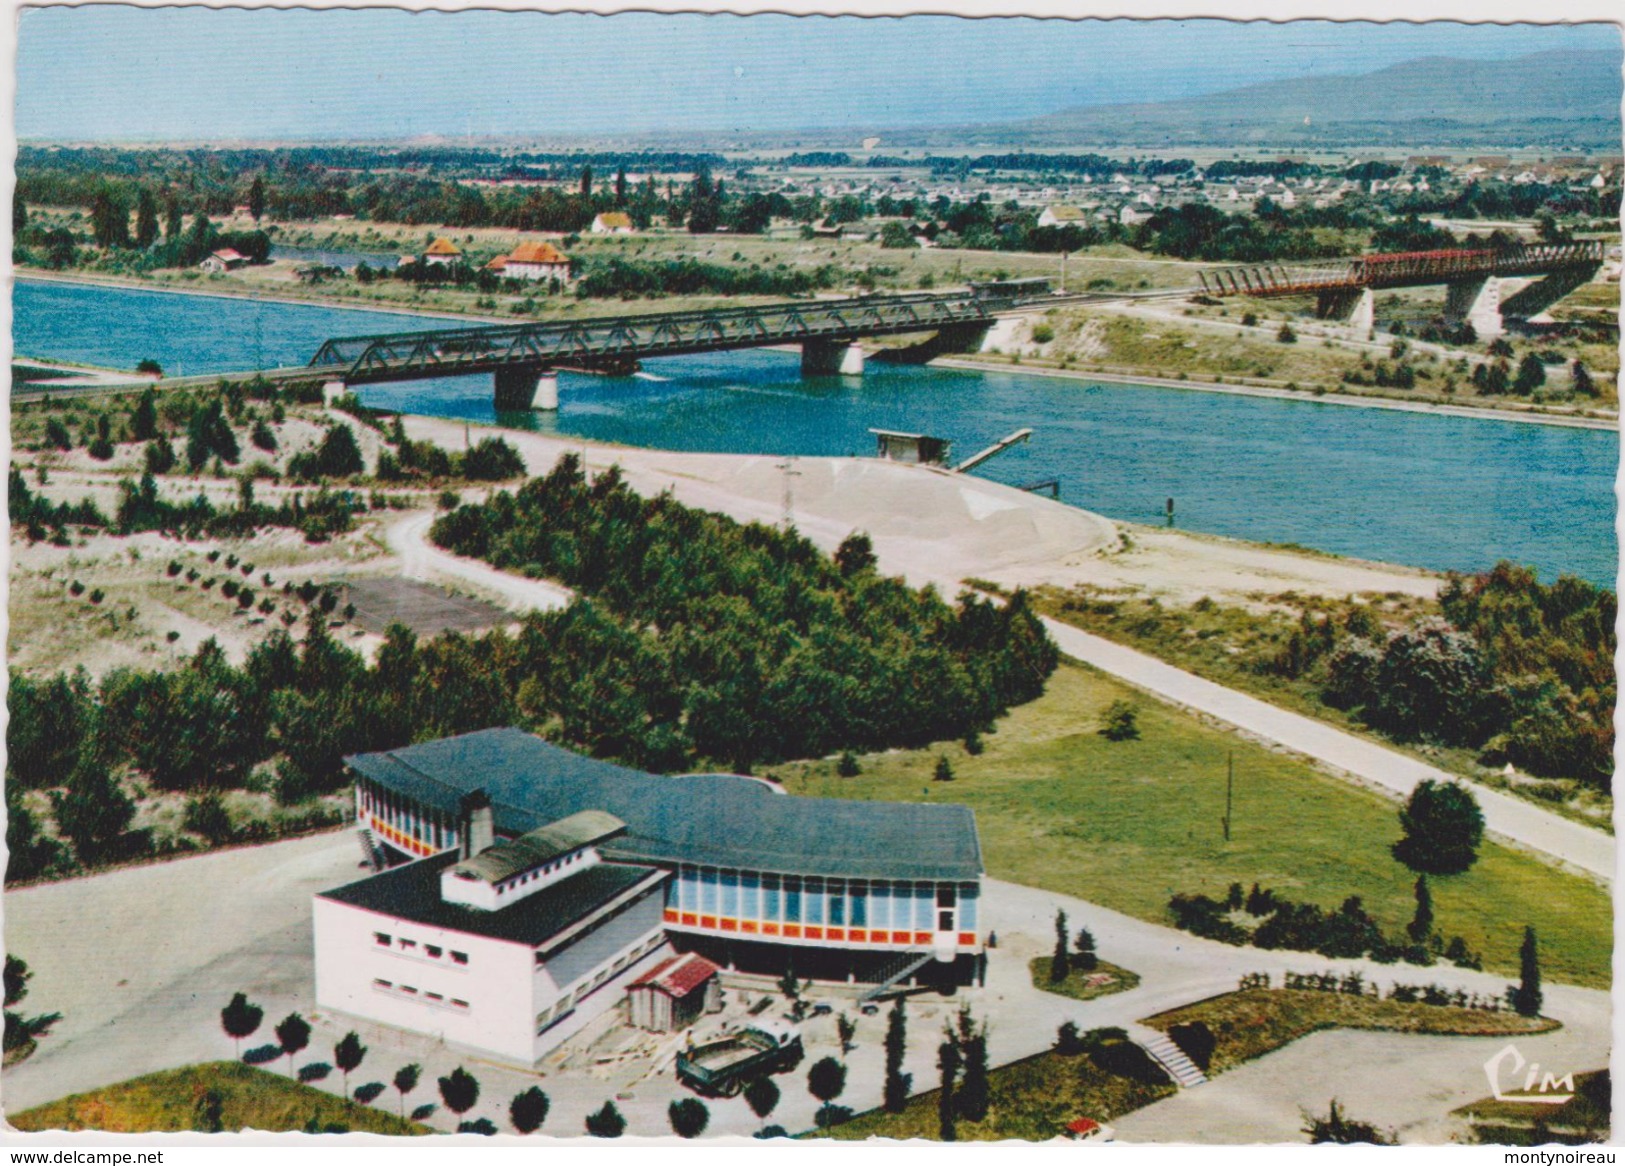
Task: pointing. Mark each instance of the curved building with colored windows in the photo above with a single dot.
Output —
(758, 881)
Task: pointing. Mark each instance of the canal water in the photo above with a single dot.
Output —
(1433, 491)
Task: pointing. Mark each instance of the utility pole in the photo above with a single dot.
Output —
(790, 473)
(1063, 272)
(1229, 793)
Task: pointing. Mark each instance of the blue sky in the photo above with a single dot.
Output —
(112, 73)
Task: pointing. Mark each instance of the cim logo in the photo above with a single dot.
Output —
(1538, 1088)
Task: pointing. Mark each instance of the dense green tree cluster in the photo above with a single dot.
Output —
(320, 515)
(740, 644)
(1520, 670)
(1278, 923)
(704, 641)
(613, 277)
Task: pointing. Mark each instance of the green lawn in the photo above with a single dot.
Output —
(1128, 824)
(1230, 645)
(1077, 983)
(1032, 1100)
(1583, 1118)
(250, 1098)
(1260, 1020)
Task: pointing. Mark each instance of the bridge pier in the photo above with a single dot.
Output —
(1535, 297)
(524, 387)
(1476, 302)
(333, 390)
(1355, 307)
(823, 358)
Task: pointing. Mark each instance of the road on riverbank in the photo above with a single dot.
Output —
(1512, 819)
(943, 528)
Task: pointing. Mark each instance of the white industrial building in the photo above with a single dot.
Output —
(507, 951)
(524, 888)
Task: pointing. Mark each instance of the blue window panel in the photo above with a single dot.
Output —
(880, 905)
(708, 890)
(730, 894)
(792, 900)
(750, 906)
(925, 907)
(770, 898)
(860, 905)
(812, 903)
(968, 894)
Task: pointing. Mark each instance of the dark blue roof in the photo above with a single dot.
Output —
(714, 820)
(412, 892)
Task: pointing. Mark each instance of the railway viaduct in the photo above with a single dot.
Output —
(1343, 290)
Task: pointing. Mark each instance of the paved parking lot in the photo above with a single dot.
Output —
(140, 961)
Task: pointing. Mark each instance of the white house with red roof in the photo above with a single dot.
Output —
(537, 261)
(222, 261)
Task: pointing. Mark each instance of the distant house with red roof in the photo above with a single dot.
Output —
(535, 261)
(613, 223)
(442, 251)
(673, 994)
(223, 260)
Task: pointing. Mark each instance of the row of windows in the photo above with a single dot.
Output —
(435, 829)
(411, 947)
(411, 993)
(773, 898)
(566, 1003)
(541, 871)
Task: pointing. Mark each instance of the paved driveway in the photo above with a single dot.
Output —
(141, 960)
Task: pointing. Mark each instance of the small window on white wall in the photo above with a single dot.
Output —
(380, 939)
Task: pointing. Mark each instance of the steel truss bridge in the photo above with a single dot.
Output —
(1403, 269)
(616, 343)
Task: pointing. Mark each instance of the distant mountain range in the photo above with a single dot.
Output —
(1561, 98)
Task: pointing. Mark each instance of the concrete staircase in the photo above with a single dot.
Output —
(903, 966)
(1167, 1054)
(370, 854)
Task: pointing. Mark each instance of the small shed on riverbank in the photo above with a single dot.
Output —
(914, 448)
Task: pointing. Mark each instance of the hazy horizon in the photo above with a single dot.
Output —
(89, 74)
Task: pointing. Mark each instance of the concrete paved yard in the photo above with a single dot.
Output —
(140, 961)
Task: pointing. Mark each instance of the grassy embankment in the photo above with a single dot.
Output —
(177, 1100)
(1128, 824)
(1226, 644)
(1206, 344)
(1034, 1099)
(1031, 1100)
(1113, 267)
(1249, 1024)
(1079, 984)
(1583, 1118)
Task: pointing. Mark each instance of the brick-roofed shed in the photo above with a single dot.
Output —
(673, 994)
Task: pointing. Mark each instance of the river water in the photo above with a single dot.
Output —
(1432, 491)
